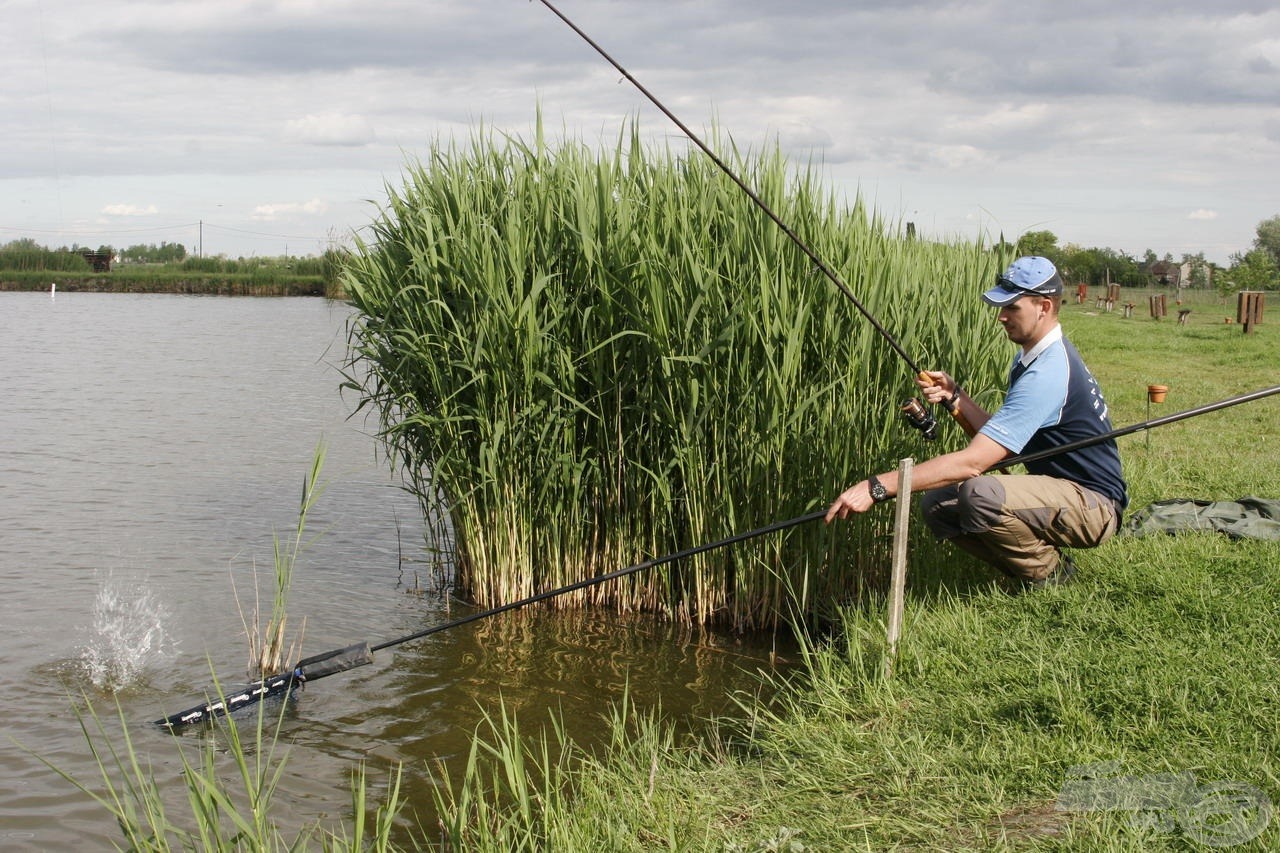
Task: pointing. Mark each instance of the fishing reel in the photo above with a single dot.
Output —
(915, 414)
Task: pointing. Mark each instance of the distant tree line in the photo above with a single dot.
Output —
(27, 254)
(1256, 269)
(165, 253)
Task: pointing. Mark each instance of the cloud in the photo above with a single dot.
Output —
(1261, 65)
(272, 212)
(330, 129)
(130, 210)
(1067, 113)
(1203, 214)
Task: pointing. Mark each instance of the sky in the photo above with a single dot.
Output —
(264, 128)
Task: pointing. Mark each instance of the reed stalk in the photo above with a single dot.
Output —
(269, 649)
(586, 359)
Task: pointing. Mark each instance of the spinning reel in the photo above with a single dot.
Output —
(915, 414)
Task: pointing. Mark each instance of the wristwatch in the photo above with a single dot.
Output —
(879, 494)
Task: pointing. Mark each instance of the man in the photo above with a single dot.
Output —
(1019, 523)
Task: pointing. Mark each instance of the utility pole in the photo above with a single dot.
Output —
(200, 241)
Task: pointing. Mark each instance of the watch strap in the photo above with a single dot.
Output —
(879, 494)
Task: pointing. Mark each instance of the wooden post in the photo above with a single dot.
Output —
(898, 578)
(1249, 305)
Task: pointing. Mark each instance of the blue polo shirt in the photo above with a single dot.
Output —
(1053, 400)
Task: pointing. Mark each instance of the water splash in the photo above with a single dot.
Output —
(128, 634)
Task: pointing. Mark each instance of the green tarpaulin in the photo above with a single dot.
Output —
(1247, 518)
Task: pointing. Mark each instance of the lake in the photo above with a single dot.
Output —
(152, 450)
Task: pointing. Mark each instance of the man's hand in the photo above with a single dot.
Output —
(941, 390)
(856, 498)
(937, 386)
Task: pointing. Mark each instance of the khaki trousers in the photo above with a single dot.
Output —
(1018, 522)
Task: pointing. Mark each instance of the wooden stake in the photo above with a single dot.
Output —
(898, 578)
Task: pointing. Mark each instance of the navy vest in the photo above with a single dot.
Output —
(1084, 415)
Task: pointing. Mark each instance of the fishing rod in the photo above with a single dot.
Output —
(358, 654)
(914, 415)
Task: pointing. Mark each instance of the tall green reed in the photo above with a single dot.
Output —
(269, 649)
(589, 358)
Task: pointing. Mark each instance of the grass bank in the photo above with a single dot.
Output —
(176, 281)
(1160, 664)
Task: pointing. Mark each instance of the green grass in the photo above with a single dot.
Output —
(1222, 455)
(1160, 659)
(269, 650)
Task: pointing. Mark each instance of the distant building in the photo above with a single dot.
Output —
(1166, 274)
(1195, 274)
(100, 261)
(1191, 273)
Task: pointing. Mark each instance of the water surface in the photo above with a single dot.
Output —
(151, 450)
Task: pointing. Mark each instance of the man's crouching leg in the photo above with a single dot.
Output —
(1018, 523)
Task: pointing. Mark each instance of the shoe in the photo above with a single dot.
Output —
(1060, 576)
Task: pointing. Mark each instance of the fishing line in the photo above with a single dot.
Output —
(813, 256)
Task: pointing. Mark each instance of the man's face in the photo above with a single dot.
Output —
(1026, 319)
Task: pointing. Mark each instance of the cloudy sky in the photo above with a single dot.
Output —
(1144, 124)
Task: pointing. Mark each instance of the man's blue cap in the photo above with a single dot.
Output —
(1031, 274)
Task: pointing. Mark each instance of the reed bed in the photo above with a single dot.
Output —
(585, 359)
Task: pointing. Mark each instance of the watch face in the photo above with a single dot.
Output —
(879, 492)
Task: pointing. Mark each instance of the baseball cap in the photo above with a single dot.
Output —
(1031, 274)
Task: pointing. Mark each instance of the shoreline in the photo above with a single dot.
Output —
(209, 285)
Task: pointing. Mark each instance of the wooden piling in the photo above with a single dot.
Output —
(898, 577)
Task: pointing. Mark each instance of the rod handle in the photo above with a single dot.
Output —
(953, 408)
